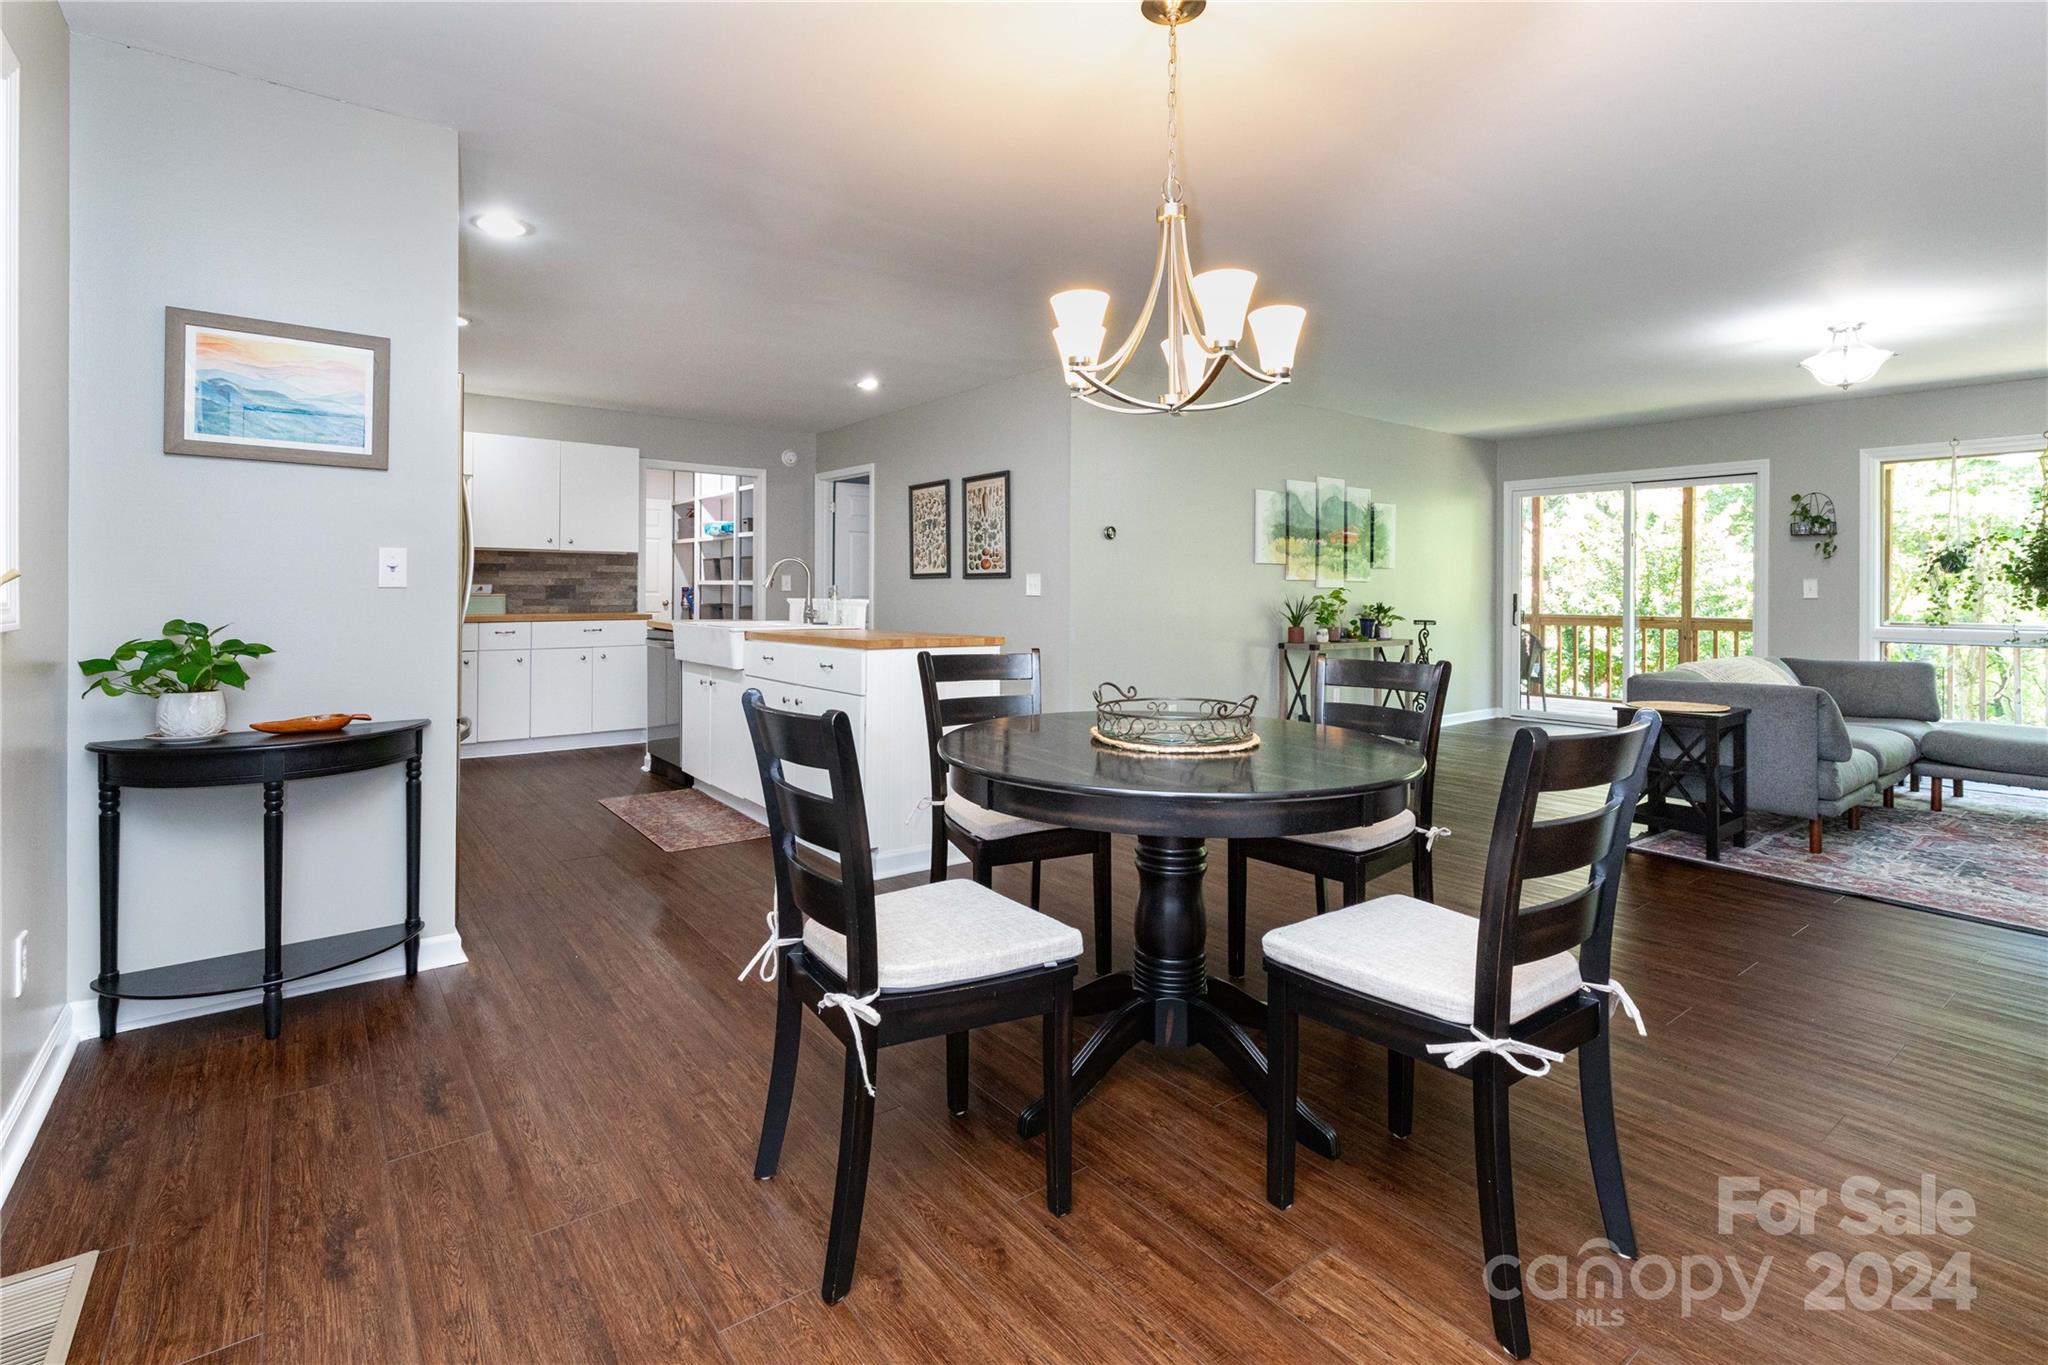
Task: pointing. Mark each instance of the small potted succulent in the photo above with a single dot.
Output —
(1296, 612)
(1329, 609)
(184, 671)
(1374, 618)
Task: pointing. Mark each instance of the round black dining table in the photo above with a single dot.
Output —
(1301, 779)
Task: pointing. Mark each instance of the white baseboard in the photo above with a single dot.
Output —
(1467, 717)
(31, 1103)
(442, 950)
(551, 744)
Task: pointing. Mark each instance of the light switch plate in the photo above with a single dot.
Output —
(1034, 585)
(1809, 587)
(391, 567)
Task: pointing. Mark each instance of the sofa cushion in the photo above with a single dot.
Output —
(1994, 748)
(1838, 779)
(1419, 956)
(1915, 730)
(1874, 687)
(1893, 751)
(943, 932)
(1740, 668)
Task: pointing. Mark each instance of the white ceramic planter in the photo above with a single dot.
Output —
(191, 715)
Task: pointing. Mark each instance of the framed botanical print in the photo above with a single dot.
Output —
(985, 523)
(244, 389)
(931, 529)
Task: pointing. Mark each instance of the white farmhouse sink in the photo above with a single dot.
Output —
(723, 644)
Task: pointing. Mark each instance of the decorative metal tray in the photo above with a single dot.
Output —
(1173, 725)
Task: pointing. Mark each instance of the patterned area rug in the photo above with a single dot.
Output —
(677, 820)
(1984, 857)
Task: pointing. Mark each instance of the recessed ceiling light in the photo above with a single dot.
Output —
(461, 321)
(868, 384)
(497, 223)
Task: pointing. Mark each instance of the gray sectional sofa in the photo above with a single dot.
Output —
(1829, 736)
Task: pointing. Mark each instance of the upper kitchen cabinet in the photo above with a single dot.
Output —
(531, 494)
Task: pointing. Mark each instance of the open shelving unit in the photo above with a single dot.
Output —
(715, 532)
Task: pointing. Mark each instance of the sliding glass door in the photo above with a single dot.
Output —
(1618, 577)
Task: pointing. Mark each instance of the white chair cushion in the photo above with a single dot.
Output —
(943, 932)
(1419, 956)
(1364, 838)
(986, 824)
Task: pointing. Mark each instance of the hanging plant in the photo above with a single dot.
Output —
(2026, 567)
(1813, 518)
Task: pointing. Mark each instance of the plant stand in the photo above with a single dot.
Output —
(1296, 677)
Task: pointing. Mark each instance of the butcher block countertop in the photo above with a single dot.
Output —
(485, 618)
(872, 639)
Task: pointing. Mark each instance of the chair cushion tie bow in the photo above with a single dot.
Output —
(768, 954)
(1509, 1050)
(859, 1009)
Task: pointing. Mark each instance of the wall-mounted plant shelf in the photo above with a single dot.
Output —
(1813, 518)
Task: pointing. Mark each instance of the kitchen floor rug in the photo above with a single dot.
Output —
(674, 821)
(1983, 857)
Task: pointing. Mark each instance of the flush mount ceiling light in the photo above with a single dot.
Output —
(498, 223)
(1205, 313)
(1846, 359)
(867, 383)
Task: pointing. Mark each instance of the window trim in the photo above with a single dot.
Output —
(10, 338)
(1871, 629)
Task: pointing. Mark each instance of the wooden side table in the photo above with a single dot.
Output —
(250, 758)
(1696, 781)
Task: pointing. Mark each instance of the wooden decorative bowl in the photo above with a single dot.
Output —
(308, 725)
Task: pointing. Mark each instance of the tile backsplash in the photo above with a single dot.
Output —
(555, 580)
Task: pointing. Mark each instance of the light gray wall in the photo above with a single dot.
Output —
(197, 189)
(1811, 447)
(788, 494)
(1016, 424)
(1175, 604)
(35, 671)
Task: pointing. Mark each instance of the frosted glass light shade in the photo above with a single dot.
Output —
(1078, 343)
(1846, 360)
(1080, 308)
(1193, 361)
(1277, 329)
(1223, 295)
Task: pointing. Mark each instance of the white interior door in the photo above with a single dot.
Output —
(852, 539)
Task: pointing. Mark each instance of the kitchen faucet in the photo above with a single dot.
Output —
(810, 612)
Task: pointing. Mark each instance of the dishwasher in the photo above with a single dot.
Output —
(664, 708)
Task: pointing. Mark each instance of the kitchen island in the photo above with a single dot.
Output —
(871, 675)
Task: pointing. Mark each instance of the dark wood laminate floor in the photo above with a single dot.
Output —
(544, 1155)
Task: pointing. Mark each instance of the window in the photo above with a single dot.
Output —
(1938, 523)
(10, 314)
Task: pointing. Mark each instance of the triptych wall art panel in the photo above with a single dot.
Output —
(1323, 531)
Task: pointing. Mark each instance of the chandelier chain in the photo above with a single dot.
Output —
(1172, 187)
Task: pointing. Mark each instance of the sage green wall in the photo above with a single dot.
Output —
(1812, 447)
(1174, 603)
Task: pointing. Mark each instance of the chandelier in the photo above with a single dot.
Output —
(1205, 313)
(1846, 359)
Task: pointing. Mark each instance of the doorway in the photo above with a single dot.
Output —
(845, 549)
(1630, 573)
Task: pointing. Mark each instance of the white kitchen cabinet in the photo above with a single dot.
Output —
(729, 761)
(504, 694)
(515, 494)
(561, 692)
(618, 688)
(531, 494)
(600, 498)
(694, 742)
(466, 696)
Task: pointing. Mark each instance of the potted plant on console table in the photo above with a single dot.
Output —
(1296, 612)
(184, 671)
(1329, 609)
(1374, 618)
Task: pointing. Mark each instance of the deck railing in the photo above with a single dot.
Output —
(2006, 682)
(1582, 654)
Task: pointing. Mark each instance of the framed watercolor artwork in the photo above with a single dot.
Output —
(985, 525)
(244, 389)
(931, 529)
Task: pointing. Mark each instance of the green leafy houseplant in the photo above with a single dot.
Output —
(1375, 617)
(1329, 608)
(1808, 520)
(186, 659)
(1956, 574)
(2027, 568)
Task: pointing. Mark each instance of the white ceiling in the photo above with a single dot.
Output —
(1501, 218)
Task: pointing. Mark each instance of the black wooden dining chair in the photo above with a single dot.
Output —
(991, 840)
(1494, 999)
(1353, 857)
(936, 959)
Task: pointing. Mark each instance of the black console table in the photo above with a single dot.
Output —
(242, 759)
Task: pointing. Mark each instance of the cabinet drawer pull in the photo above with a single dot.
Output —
(767, 658)
(826, 667)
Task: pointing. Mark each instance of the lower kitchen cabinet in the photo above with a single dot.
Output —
(466, 695)
(561, 692)
(504, 691)
(618, 688)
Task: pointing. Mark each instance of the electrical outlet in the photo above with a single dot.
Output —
(18, 968)
(1810, 587)
(391, 567)
(1034, 585)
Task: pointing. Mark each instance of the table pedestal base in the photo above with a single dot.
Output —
(1166, 999)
